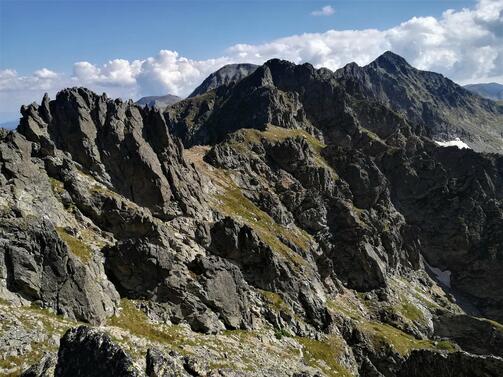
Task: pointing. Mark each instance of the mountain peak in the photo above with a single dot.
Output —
(227, 74)
(390, 60)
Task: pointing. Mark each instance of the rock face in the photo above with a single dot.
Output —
(306, 214)
(40, 267)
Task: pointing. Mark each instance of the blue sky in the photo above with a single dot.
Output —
(133, 48)
(56, 34)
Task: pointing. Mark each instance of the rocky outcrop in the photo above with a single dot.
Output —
(265, 269)
(439, 188)
(87, 352)
(371, 148)
(39, 267)
(208, 293)
(122, 145)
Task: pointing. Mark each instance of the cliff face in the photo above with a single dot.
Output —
(295, 210)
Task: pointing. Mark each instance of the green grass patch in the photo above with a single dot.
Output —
(446, 345)
(30, 317)
(410, 311)
(282, 333)
(372, 135)
(136, 324)
(22, 362)
(345, 307)
(426, 301)
(324, 355)
(275, 301)
(52, 322)
(57, 186)
(76, 246)
(133, 320)
(401, 342)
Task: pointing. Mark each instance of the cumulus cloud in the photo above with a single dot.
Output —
(327, 10)
(117, 72)
(45, 74)
(11, 81)
(170, 73)
(465, 45)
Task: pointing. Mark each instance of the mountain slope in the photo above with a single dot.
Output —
(224, 76)
(295, 222)
(442, 108)
(491, 90)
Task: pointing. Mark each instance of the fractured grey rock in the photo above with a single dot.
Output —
(39, 267)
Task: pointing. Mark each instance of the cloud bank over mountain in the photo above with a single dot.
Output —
(465, 45)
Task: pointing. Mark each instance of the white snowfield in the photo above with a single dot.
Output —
(443, 277)
(453, 143)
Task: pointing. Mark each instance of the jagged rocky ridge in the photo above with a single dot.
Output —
(296, 210)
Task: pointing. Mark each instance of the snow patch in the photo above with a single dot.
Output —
(443, 277)
(453, 143)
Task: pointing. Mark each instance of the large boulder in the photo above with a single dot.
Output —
(87, 352)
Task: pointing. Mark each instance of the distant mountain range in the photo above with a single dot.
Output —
(158, 101)
(490, 90)
(9, 125)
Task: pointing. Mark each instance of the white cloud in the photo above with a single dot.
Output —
(170, 73)
(11, 81)
(327, 10)
(45, 74)
(465, 45)
(117, 72)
